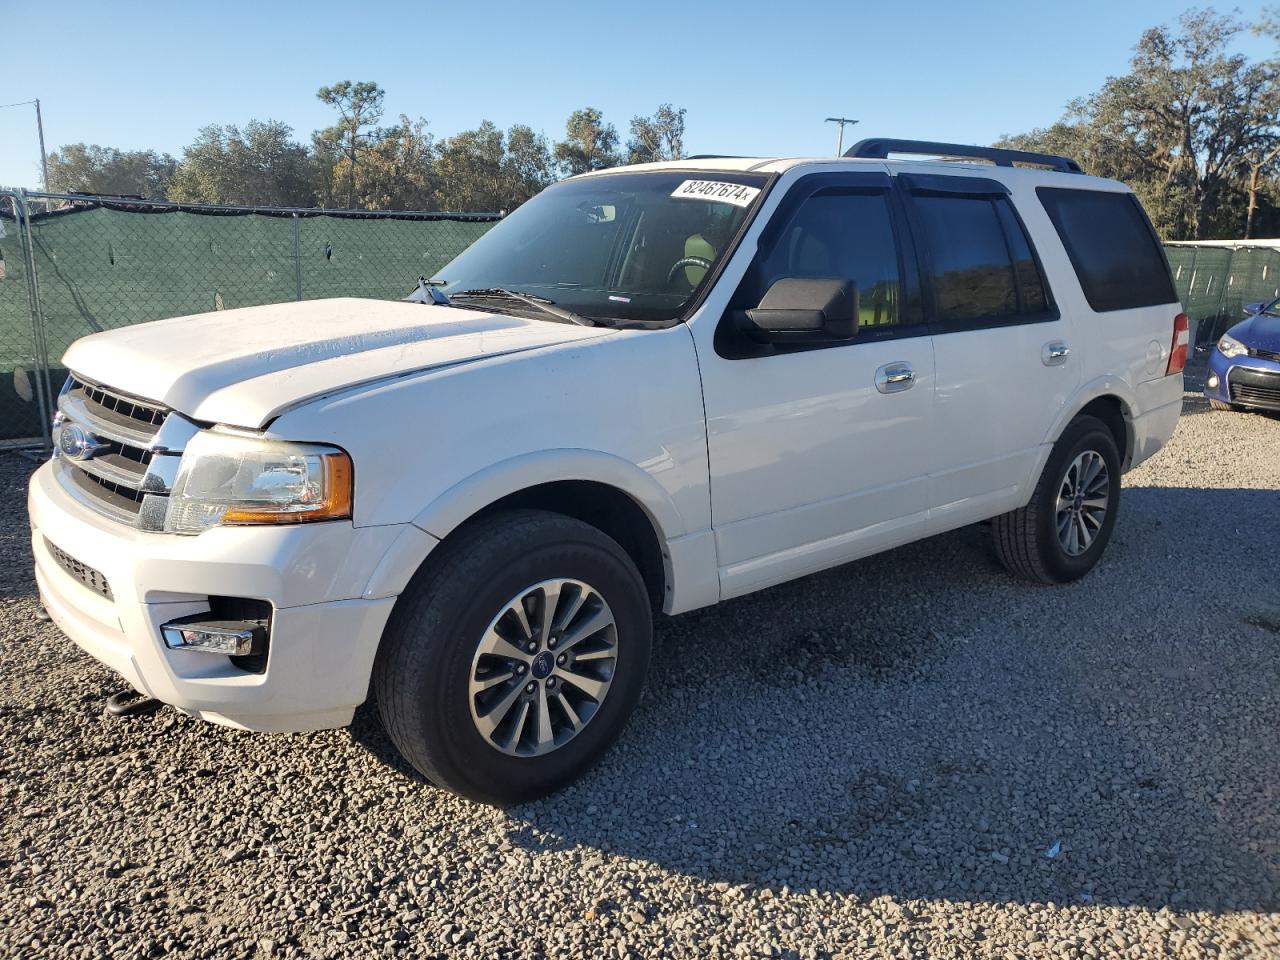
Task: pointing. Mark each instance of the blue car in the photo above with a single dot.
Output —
(1244, 367)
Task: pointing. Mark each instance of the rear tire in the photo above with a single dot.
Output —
(1061, 533)
(513, 660)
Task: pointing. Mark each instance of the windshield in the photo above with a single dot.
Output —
(625, 246)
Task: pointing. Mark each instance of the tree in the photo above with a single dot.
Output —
(359, 107)
(397, 169)
(469, 168)
(526, 166)
(1265, 157)
(359, 163)
(260, 164)
(589, 144)
(659, 137)
(485, 169)
(1202, 110)
(1264, 160)
(1183, 127)
(89, 168)
(1099, 153)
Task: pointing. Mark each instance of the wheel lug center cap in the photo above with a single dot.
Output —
(542, 665)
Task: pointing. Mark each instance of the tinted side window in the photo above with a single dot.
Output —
(1031, 297)
(972, 275)
(838, 233)
(1112, 247)
(983, 267)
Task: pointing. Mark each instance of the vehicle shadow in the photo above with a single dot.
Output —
(919, 724)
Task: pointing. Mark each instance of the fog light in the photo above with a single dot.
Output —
(1212, 382)
(231, 638)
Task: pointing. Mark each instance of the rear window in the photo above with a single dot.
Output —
(1111, 245)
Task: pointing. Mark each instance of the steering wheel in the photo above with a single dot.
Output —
(683, 262)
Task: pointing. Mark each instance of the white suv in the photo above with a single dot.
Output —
(658, 386)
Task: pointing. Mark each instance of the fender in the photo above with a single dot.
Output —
(449, 510)
(1108, 386)
(467, 497)
(1111, 386)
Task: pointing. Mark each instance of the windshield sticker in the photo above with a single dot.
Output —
(738, 194)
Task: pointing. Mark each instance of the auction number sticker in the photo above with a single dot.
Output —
(738, 194)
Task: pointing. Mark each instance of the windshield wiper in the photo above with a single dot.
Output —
(541, 303)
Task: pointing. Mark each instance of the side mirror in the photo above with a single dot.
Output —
(805, 310)
(1264, 308)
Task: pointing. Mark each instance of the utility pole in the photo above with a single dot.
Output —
(840, 137)
(44, 160)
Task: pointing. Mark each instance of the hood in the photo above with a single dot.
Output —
(1259, 332)
(244, 367)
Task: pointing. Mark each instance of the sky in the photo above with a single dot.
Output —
(756, 78)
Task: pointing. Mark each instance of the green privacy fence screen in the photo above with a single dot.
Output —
(108, 263)
(1215, 281)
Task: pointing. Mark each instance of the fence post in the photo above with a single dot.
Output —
(39, 346)
(297, 258)
(1223, 289)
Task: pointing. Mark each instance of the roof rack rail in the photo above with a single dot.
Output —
(715, 156)
(879, 148)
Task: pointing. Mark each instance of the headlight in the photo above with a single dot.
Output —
(229, 479)
(1229, 346)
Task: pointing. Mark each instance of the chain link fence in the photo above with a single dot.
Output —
(73, 265)
(1216, 279)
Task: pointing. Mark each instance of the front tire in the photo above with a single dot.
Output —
(514, 659)
(1061, 533)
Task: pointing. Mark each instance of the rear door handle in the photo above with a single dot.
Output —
(1054, 353)
(895, 377)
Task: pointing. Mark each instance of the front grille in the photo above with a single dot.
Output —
(82, 572)
(112, 460)
(136, 411)
(1258, 388)
(1265, 354)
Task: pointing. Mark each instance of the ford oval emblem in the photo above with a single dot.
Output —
(77, 443)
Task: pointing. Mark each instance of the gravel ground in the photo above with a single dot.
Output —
(872, 762)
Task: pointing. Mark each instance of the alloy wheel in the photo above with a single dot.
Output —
(1082, 502)
(543, 667)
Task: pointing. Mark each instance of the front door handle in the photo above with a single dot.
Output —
(895, 377)
(1054, 353)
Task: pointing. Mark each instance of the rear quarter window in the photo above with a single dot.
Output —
(1114, 250)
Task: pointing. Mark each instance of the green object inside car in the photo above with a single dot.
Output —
(697, 246)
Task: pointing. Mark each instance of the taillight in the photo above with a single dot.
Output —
(1181, 338)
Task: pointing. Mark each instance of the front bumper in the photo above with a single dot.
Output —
(327, 618)
(1245, 381)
